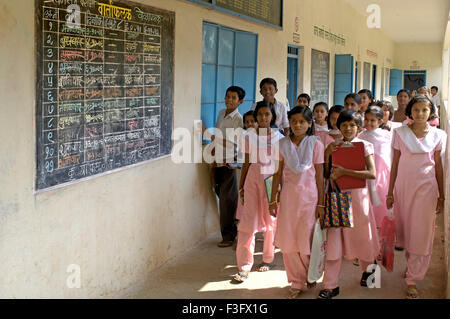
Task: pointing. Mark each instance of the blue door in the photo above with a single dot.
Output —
(343, 77)
(374, 81)
(292, 76)
(228, 58)
(395, 81)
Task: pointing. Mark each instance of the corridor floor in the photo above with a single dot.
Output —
(205, 272)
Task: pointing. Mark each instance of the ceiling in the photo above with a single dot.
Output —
(410, 20)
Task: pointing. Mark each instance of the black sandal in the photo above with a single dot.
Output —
(328, 294)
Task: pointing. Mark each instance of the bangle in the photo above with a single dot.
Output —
(241, 190)
(274, 202)
(390, 197)
(321, 206)
(441, 199)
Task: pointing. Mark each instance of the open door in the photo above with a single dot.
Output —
(343, 77)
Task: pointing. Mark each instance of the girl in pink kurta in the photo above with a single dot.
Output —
(255, 215)
(301, 198)
(416, 187)
(333, 115)
(381, 141)
(249, 122)
(320, 112)
(361, 241)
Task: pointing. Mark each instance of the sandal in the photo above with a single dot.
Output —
(328, 294)
(240, 277)
(412, 293)
(364, 277)
(265, 267)
(225, 243)
(356, 262)
(310, 285)
(294, 293)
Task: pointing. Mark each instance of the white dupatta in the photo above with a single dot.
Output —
(321, 128)
(376, 137)
(298, 160)
(428, 143)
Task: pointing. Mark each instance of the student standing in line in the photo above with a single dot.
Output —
(255, 216)
(366, 99)
(381, 141)
(353, 102)
(403, 98)
(416, 187)
(333, 115)
(225, 180)
(303, 99)
(268, 89)
(320, 111)
(435, 96)
(388, 111)
(361, 241)
(300, 172)
(249, 123)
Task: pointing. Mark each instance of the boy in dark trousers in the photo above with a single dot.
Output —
(225, 175)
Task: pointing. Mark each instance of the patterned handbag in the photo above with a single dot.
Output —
(338, 207)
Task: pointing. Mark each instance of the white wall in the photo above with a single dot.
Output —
(428, 57)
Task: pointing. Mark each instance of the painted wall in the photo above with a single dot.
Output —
(428, 57)
(115, 232)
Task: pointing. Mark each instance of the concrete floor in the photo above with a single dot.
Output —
(205, 272)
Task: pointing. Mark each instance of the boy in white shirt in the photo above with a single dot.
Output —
(224, 176)
(268, 89)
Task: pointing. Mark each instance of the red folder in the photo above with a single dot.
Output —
(350, 156)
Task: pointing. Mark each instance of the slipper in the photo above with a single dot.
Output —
(294, 293)
(328, 294)
(310, 285)
(412, 293)
(261, 267)
(240, 277)
(225, 243)
(356, 262)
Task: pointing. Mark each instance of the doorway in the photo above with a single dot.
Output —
(292, 75)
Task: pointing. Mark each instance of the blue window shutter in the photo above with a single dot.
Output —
(395, 81)
(229, 57)
(343, 77)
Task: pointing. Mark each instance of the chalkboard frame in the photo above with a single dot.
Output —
(329, 74)
(38, 100)
(214, 6)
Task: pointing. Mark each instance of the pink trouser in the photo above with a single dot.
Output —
(332, 270)
(417, 267)
(246, 247)
(296, 265)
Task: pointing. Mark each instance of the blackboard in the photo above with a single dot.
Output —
(104, 90)
(320, 76)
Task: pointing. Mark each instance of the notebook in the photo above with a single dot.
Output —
(350, 156)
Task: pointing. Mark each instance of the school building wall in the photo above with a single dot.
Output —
(421, 56)
(120, 227)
